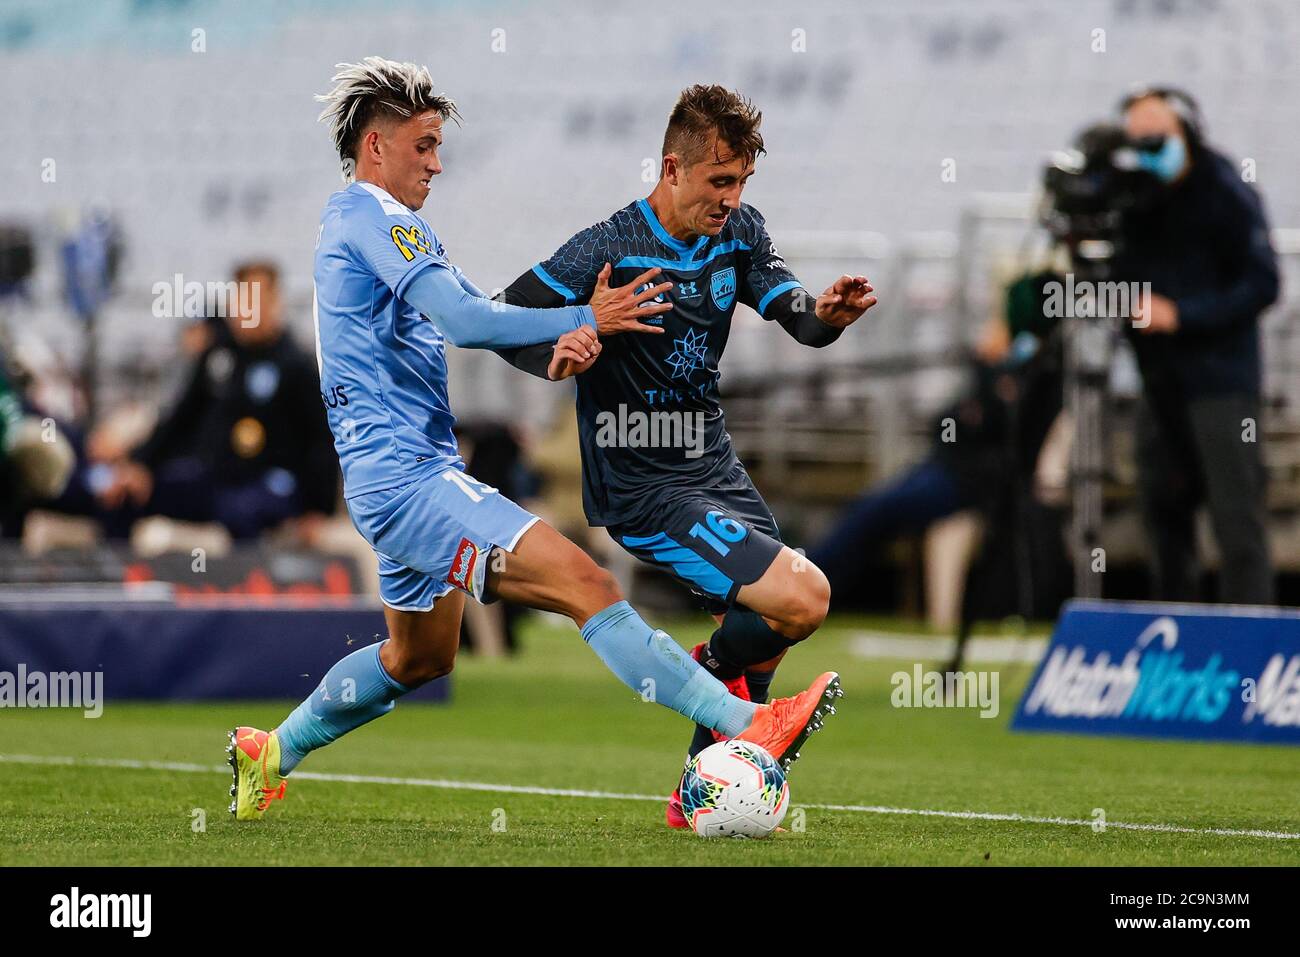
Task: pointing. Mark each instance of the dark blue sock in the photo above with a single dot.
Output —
(702, 739)
(759, 682)
(743, 639)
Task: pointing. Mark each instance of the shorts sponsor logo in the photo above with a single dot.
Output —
(462, 566)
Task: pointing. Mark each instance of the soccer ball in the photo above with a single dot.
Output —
(734, 789)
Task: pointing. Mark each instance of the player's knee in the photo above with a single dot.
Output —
(808, 605)
(599, 588)
(584, 588)
(417, 668)
(427, 671)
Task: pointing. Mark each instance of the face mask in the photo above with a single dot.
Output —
(1168, 161)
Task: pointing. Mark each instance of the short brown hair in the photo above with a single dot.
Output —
(245, 269)
(703, 110)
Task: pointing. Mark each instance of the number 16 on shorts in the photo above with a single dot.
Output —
(719, 532)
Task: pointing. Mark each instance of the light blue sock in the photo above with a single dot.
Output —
(639, 654)
(356, 690)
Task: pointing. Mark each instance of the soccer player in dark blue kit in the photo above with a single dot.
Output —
(659, 471)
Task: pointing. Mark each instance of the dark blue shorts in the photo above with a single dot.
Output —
(712, 540)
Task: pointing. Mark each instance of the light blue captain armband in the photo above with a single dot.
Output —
(475, 322)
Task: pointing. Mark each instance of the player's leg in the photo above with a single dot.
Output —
(422, 610)
(792, 597)
(744, 634)
(421, 646)
(547, 571)
(360, 687)
(754, 682)
(783, 607)
(725, 546)
(466, 534)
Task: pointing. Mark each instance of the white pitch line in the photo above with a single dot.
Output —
(444, 784)
(1072, 822)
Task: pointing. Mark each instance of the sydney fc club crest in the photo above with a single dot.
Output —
(723, 286)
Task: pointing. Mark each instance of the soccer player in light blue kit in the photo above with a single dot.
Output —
(387, 299)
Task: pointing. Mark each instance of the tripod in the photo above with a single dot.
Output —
(1089, 341)
(1084, 333)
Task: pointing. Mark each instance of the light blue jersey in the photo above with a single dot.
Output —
(386, 300)
(383, 370)
(383, 373)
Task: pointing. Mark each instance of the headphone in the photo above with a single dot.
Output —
(1180, 101)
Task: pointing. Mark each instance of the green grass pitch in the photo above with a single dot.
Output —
(555, 719)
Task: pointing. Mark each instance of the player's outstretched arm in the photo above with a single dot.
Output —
(473, 322)
(529, 290)
(571, 354)
(621, 309)
(819, 322)
(771, 289)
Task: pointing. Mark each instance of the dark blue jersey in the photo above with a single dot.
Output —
(648, 411)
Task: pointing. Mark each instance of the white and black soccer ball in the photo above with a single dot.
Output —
(734, 789)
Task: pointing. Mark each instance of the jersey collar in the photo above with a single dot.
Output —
(687, 251)
(387, 202)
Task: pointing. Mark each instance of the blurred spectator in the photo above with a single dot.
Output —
(246, 444)
(1204, 247)
(36, 459)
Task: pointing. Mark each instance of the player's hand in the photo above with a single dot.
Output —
(624, 309)
(574, 353)
(845, 301)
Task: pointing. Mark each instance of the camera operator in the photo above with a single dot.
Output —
(1203, 245)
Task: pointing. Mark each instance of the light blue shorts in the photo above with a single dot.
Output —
(435, 534)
